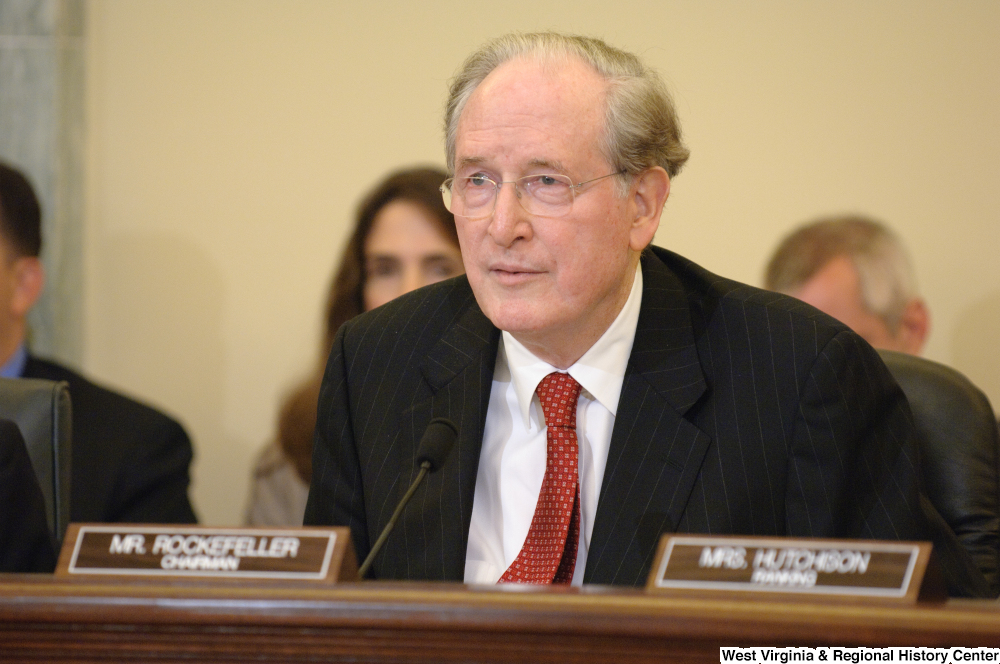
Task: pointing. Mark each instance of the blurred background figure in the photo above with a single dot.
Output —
(404, 238)
(130, 462)
(856, 270)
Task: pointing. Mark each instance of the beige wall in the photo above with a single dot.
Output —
(228, 142)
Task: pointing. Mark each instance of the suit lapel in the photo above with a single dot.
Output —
(655, 453)
(459, 372)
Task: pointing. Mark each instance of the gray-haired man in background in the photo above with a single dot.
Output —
(858, 271)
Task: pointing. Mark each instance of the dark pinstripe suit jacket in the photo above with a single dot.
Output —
(742, 412)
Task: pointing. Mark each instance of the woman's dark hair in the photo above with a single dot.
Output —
(297, 419)
(416, 185)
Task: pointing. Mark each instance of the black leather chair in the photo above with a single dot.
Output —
(25, 539)
(41, 410)
(960, 454)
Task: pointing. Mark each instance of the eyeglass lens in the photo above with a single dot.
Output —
(546, 194)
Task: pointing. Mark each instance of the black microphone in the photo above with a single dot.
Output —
(439, 437)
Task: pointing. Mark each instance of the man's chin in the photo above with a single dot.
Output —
(517, 318)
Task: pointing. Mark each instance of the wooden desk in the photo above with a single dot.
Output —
(48, 619)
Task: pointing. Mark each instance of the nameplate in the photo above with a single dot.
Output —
(829, 568)
(304, 554)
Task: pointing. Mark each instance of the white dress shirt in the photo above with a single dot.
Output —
(512, 460)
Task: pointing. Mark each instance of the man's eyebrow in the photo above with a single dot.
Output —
(470, 161)
(553, 164)
(547, 163)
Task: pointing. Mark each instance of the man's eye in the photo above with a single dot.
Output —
(478, 180)
(543, 182)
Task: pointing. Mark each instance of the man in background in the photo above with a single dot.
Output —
(130, 462)
(856, 270)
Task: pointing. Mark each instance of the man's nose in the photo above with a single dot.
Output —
(510, 221)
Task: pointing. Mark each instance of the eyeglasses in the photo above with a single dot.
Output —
(545, 195)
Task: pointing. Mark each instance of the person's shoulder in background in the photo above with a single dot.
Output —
(131, 462)
(279, 487)
(277, 493)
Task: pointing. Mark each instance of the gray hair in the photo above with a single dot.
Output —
(641, 127)
(884, 270)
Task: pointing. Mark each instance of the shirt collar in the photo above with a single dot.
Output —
(601, 370)
(14, 367)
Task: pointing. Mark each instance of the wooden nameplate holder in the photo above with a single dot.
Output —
(291, 554)
(796, 568)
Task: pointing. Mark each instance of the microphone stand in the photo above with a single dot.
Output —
(425, 468)
(434, 447)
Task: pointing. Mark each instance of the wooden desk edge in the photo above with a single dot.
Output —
(41, 599)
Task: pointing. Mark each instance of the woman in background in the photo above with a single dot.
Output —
(404, 239)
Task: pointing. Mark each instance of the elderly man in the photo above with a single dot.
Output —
(856, 270)
(605, 391)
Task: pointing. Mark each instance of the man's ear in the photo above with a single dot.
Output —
(913, 327)
(30, 279)
(649, 195)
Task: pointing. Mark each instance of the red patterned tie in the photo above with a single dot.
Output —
(549, 551)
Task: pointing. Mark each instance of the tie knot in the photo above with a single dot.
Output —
(558, 393)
